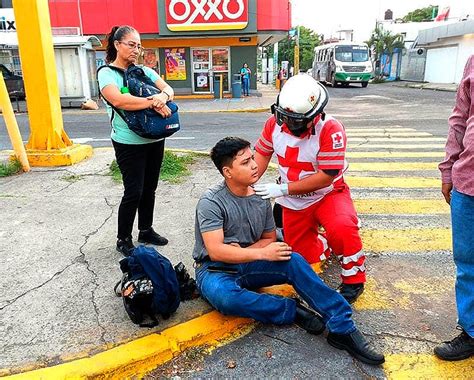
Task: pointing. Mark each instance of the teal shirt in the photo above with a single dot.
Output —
(245, 73)
(120, 131)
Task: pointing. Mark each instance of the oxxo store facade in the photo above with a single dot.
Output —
(188, 42)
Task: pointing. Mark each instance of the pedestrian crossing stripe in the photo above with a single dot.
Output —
(397, 139)
(393, 182)
(381, 130)
(426, 366)
(386, 155)
(401, 206)
(406, 240)
(388, 134)
(401, 294)
(391, 166)
(415, 147)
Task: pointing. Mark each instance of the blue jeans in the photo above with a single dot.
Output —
(246, 86)
(462, 220)
(234, 294)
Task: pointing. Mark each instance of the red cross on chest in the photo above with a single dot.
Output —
(294, 166)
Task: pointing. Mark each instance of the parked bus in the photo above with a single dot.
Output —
(342, 62)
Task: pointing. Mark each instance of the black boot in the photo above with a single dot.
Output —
(151, 237)
(356, 345)
(351, 291)
(461, 347)
(125, 246)
(308, 319)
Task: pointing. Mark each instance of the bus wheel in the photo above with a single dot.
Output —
(333, 80)
(345, 84)
(364, 84)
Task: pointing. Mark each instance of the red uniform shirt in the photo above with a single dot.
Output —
(299, 157)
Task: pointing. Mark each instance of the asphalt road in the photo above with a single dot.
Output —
(376, 106)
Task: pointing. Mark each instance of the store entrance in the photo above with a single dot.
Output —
(207, 63)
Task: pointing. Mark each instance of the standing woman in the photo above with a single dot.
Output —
(138, 158)
(245, 74)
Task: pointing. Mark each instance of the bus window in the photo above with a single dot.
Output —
(352, 53)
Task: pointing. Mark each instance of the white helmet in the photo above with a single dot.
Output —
(301, 99)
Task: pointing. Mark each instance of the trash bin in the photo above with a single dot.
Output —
(237, 86)
(217, 86)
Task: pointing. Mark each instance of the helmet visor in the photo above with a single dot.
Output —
(294, 121)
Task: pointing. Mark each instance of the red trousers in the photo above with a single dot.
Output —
(337, 215)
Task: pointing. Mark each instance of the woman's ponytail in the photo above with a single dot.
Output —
(116, 34)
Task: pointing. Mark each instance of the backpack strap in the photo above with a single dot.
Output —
(114, 109)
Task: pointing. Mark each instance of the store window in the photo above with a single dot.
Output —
(150, 59)
(207, 63)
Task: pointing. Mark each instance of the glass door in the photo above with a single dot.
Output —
(207, 63)
(202, 74)
(220, 65)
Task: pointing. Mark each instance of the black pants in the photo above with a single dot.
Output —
(140, 167)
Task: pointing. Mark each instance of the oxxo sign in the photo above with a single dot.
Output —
(183, 15)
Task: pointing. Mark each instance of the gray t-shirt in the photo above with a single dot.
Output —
(243, 219)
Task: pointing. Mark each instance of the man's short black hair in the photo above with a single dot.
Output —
(225, 150)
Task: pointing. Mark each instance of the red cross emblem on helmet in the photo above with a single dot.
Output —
(312, 99)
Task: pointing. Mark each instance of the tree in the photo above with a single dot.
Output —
(421, 14)
(308, 41)
(383, 41)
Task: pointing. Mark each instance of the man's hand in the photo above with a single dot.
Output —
(446, 189)
(277, 251)
(271, 190)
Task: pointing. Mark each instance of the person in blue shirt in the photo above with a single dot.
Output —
(139, 159)
(245, 74)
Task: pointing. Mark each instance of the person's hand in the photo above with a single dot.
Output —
(163, 111)
(277, 251)
(271, 190)
(159, 100)
(446, 189)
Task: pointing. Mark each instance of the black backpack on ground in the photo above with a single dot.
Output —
(149, 286)
(147, 122)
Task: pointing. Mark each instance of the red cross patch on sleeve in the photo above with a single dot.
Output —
(337, 140)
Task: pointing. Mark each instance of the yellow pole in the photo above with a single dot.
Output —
(296, 69)
(221, 89)
(48, 144)
(12, 126)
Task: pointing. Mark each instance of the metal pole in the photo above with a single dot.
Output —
(12, 126)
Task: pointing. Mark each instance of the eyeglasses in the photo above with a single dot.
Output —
(132, 45)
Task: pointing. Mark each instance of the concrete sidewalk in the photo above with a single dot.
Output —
(450, 87)
(59, 265)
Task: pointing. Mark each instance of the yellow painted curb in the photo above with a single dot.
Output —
(140, 356)
(426, 366)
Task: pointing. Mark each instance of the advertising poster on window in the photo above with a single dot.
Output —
(175, 62)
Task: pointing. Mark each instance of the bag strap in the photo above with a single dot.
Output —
(114, 109)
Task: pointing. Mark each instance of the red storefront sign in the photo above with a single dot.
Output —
(184, 15)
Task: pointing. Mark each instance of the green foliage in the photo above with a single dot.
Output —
(10, 168)
(308, 41)
(173, 169)
(383, 41)
(421, 14)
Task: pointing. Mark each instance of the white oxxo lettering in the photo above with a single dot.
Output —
(205, 8)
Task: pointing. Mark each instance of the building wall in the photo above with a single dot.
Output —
(245, 54)
(447, 57)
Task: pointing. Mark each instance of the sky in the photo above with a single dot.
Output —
(328, 16)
